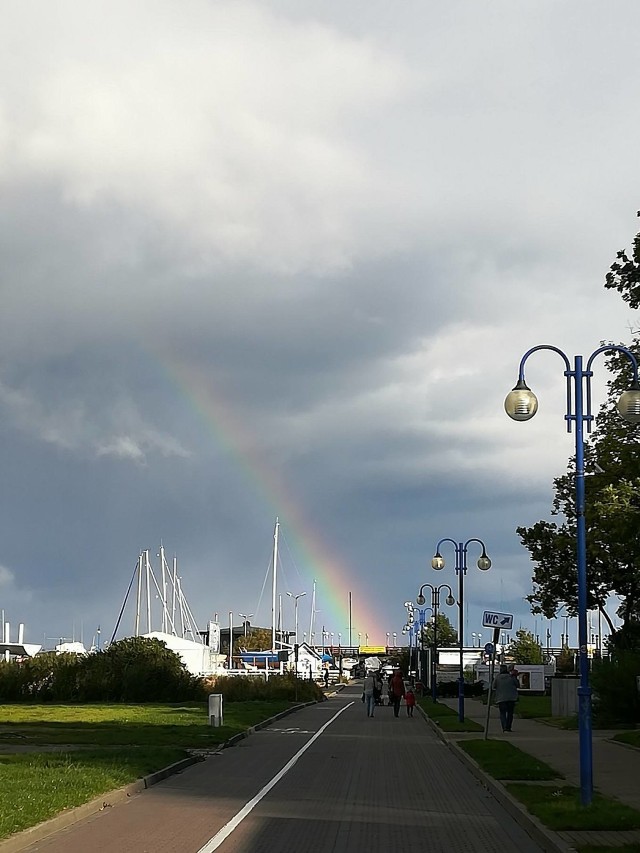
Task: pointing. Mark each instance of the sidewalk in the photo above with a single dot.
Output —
(616, 768)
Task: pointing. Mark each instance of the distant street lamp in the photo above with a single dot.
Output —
(295, 609)
(484, 564)
(435, 605)
(521, 404)
(246, 617)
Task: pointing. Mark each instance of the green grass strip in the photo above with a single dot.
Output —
(630, 738)
(447, 718)
(560, 808)
(37, 786)
(503, 760)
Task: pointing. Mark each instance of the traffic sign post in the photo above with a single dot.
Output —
(490, 649)
(492, 619)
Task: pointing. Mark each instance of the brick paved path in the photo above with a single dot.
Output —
(381, 785)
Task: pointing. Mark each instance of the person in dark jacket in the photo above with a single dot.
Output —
(396, 691)
(505, 686)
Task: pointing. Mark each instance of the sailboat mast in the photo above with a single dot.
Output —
(313, 612)
(273, 590)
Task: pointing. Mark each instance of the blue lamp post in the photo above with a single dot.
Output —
(435, 604)
(521, 404)
(484, 564)
(420, 635)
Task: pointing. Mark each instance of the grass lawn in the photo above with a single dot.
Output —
(503, 760)
(447, 718)
(38, 785)
(129, 725)
(560, 809)
(632, 738)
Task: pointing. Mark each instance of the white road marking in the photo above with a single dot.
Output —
(220, 836)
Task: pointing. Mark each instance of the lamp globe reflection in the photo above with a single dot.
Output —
(629, 404)
(521, 403)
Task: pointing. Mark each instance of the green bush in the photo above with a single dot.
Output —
(616, 699)
(136, 669)
(247, 688)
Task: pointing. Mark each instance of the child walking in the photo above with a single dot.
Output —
(410, 700)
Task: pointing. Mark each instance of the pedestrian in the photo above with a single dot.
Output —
(505, 686)
(384, 695)
(368, 693)
(410, 699)
(396, 691)
(326, 678)
(377, 688)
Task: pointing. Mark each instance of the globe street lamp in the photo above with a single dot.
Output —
(521, 404)
(421, 630)
(435, 604)
(295, 609)
(484, 564)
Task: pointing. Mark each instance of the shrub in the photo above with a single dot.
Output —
(246, 688)
(136, 669)
(616, 698)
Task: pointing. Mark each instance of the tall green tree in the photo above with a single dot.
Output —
(446, 634)
(525, 648)
(612, 462)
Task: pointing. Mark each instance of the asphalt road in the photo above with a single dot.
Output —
(325, 779)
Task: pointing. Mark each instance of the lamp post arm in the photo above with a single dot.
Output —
(562, 355)
(473, 539)
(615, 348)
(446, 539)
(567, 373)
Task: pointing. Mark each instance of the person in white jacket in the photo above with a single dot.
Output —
(368, 693)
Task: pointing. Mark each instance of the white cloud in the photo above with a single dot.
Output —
(71, 426)
(7, 577)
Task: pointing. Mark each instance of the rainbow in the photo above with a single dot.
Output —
(334, 579)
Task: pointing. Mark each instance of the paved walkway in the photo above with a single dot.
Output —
(325, 779)
(616, 768)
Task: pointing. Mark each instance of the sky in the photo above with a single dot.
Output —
(267, 260)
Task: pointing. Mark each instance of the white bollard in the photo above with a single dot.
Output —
(215, 709)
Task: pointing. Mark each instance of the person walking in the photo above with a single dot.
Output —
(326, 678)
(377, 688)
(384, 695)
(396, 691)
(368, 693)
(505, 686)
(410, 700)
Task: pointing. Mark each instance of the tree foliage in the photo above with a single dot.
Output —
(257, 640)
(612, 509)
(136, 669)
(624, 274)
(446, 634)
(525, 648)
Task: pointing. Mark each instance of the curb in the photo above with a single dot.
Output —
(547, 839)
(20, 840)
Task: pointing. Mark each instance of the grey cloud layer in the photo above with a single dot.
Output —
(352, 223)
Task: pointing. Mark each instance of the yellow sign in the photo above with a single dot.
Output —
(372, 650)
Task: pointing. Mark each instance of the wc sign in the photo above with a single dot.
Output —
(497, 620)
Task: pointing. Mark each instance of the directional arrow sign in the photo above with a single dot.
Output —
(497, 620)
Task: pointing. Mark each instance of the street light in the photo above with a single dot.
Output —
(521, 404)
(246, 617)
(484, 564)
(435, 604)
(295, 609)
